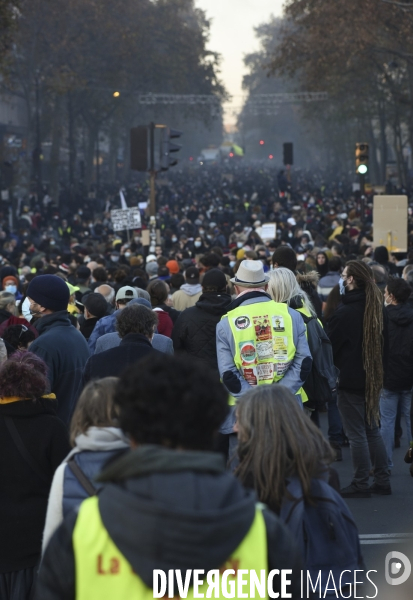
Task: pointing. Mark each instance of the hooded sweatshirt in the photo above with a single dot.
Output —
(187, 296)
(190, 514)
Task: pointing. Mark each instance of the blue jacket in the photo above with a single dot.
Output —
(112, 340)
(93, 449)
(326, 284)
(104, 325)
(91, 464)
(65, 351)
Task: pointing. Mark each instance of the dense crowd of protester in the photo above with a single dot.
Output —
(179, 448)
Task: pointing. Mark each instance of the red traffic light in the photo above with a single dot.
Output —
(262, 142)
(270, 156)
(231, 154)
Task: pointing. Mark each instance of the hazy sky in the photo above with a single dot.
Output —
(232, 35)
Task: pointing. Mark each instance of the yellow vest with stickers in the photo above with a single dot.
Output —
(264, 341)
(103, 573)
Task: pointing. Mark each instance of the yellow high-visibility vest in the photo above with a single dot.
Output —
(264, 341)
(103, 573)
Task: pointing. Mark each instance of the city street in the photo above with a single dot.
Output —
(385, 523)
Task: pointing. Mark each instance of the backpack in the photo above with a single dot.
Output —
(321, 384)
(327, 536)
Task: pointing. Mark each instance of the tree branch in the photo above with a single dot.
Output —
(402, 5)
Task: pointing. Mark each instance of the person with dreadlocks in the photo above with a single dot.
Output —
(357, 331)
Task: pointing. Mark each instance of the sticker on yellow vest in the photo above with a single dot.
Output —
(264, 350)
(250, 376)
(280, 345)
(242, 322)
(248, 353)
(282, 368)
(278, 323)
(262, 328)
(265, 372)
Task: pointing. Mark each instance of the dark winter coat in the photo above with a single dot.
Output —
(194, 331)
(187, 509)
(65, 351)
(111, 363)
(88, 326)
(345, 330)
(399, 375)
(23, 500)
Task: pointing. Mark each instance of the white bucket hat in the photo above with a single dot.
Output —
(250, 274)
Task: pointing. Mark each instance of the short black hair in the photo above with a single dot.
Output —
(136, 318)
(177, 279)
(210, 260)
(100, 274)
(334, 264)
(173, 401)
(284, 256)
(96, 304)
(399, 288)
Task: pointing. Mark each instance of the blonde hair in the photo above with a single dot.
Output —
(95, 407)
(283, 287)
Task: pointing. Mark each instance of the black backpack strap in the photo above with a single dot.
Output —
(81, 477)
(306, 319)
(24, 453)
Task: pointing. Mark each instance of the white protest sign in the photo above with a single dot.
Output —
(126, 218)
(390, 219)
(268, 231)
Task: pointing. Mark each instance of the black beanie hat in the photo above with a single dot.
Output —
(215, 279)
(49, 291)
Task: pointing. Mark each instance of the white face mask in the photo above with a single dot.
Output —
(197, 244)
(114, 258)
(26, 310)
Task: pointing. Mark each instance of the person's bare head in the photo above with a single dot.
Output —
(107, 292)
(92, 265)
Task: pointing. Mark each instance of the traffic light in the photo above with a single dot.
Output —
(262, 142)
(362, 158)
(288, 153)
(139, 148)
(168, 134)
